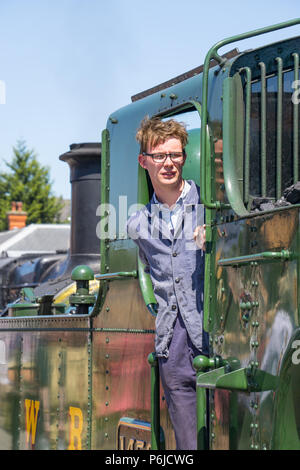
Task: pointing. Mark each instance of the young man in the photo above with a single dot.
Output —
(171, 243)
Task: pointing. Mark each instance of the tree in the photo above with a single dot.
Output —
(29, 182)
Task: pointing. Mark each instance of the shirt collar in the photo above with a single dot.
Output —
(180, 199)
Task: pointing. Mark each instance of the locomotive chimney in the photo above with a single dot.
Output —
(85, 176)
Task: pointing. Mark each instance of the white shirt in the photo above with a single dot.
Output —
(170, 216)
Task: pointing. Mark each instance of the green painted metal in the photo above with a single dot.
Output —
(28, 293)
(104, 199)
(200, 363)
(296, 122)
(98, 362)
(233, 133)
(147, 289)
(285, 430)
(242, 380)
(279, 128)
(247, 380)
(191, 169)
(144, 278)
(82, 299)
(23, 309)
(247, 70)
(266, 256)
(118, 276)
(37, 306)
(38, 374)
(298, 277)
(263, 132)
(264, 287)
(236, 380)
(124, 330)
(208, 379)
(202, 435)
(105, 192)
(213, 54)
(90, 391)
(82, 273)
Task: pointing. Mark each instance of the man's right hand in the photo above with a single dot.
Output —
(200, 236)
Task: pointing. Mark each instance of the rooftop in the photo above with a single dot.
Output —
(35, 239)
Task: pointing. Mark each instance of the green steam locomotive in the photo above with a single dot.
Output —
(76, 363)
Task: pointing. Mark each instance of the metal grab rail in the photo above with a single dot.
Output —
(296, 122)
(213, 54)
(116, 276)
(144, 278)
(155, 403)
(283, 255)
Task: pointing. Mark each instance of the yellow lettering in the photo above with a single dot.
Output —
(130, 444)
(76, 426)
(139, 445)
(32, 411)
(122, 443)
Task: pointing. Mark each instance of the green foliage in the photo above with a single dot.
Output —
(28, 182)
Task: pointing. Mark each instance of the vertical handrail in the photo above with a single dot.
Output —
(105, 166)
(279, 128)
(104, 243)
(144, 278)
(200, 364)
(155, 402)
(247, 133)
(296, 122)
(263, 129)
(202, 441)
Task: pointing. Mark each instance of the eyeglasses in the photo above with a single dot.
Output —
(176, 157)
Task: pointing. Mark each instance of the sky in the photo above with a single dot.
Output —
(66, 65)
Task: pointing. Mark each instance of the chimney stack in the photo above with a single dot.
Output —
(84, 160)
(16, 217)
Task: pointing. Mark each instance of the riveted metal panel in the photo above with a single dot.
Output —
(256, 317)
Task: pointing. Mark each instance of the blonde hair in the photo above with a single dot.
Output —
(154, 131)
